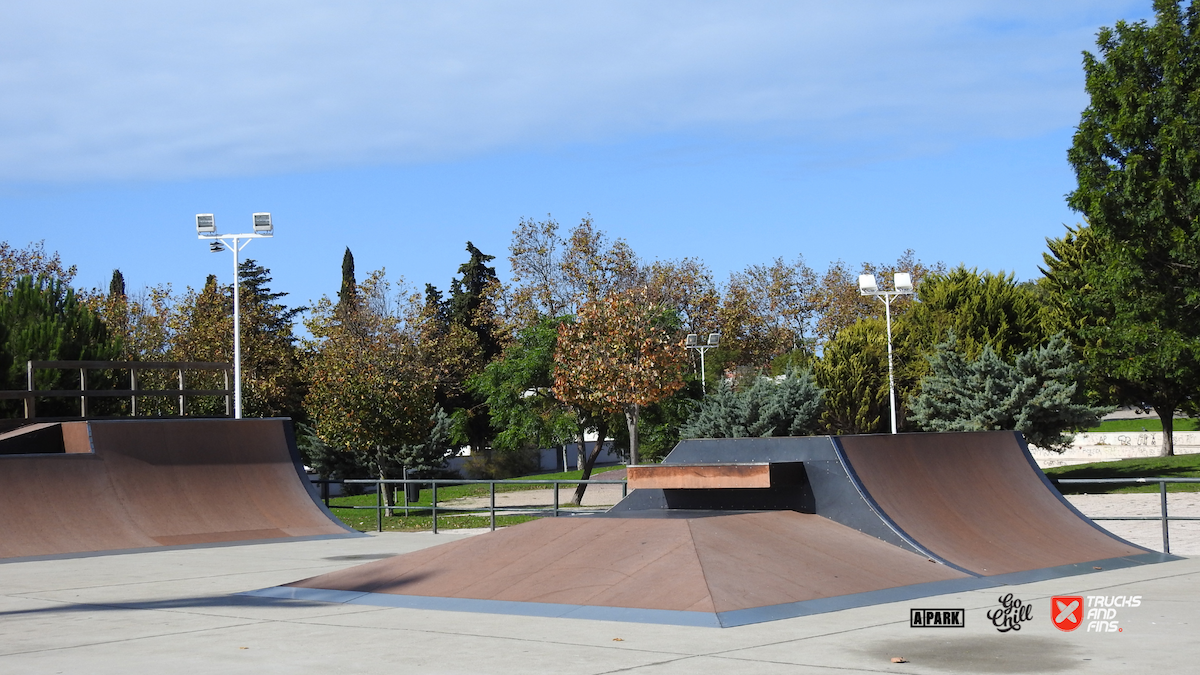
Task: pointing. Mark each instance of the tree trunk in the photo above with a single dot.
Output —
(631, 420)
(590, 463)
(389, 491)
(1167, 415)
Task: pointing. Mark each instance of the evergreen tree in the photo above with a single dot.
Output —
(1040, 394)
(42, 319)
(853, 373)
(787, 406)
(116, 286)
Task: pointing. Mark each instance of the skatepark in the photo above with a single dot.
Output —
(846, 566)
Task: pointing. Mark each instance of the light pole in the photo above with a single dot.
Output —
(693, 342)
(206, 228)
(903, 286)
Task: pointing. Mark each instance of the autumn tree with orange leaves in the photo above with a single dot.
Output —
(620, 353)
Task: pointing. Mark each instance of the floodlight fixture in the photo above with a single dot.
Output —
(692, 340)
(262, 224)
(903, 281)
(867, 285)
(205, 224)
(714, 339)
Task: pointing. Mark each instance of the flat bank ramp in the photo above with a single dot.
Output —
(976, 500)
(135, 484)
(691, 569)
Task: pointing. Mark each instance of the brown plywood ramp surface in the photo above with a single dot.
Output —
(150, 483)
(705, 570)
(977, 501)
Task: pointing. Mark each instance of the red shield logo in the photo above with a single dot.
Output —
(1066, 612)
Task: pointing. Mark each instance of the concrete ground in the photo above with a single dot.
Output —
(176, 611)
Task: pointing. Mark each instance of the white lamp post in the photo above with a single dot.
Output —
(206, 228)
(903, 286)
(693, 342)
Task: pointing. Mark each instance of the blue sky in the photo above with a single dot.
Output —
(733, 132)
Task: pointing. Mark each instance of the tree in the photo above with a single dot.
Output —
(42, 319)
(768, 311)
(979, 309)
(202, 330)
(840, 305)
(852, 371)
(1040, 394)
(785, 406)
(517, 389)
(368, 393)
(619, 354)
(1136, 157)
(32, 261)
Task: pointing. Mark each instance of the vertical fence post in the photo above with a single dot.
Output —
(379, 507)
(228, 401)
(492, 508)
(1162, 491)
(555, 499)
(133, 391)
(433, 500)
(181, 408)
(31, 400)
(83, 411)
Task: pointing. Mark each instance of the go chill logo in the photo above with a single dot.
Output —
(1097, 612)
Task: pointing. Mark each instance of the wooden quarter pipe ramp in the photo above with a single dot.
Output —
(115, 485)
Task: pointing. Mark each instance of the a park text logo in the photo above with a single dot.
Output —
(1010, 614)
(1068, 612)
(937, 618)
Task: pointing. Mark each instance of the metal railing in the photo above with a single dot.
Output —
(1162, 491)
(381, 484)
(31, 394)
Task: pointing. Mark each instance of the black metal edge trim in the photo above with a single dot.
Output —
(1063, 500)
(883, 516)
(742, 617)
(538, 609)
(289, 434)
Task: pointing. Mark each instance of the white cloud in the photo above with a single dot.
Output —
(154, 90)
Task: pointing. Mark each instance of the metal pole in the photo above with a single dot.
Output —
(434, 502)
(30, 401)
(493, 506)
(82, 396)
(703, 384)
(887, 303)
(181, 404)
(379, 507)
(237, 338)
(555, 499)
(1162, 491)
(132, 391)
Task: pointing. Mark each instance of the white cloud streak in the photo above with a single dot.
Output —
(117, 90)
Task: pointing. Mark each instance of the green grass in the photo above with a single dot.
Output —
(420, 518)
(1180, 466)
(1146, 424)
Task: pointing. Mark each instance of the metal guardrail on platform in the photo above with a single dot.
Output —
(1162, 491)
(31, 394)
(491, 509)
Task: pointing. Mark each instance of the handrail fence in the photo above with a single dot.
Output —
(31, 394)
(556, 509)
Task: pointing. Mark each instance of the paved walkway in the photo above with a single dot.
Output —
(170, 611)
